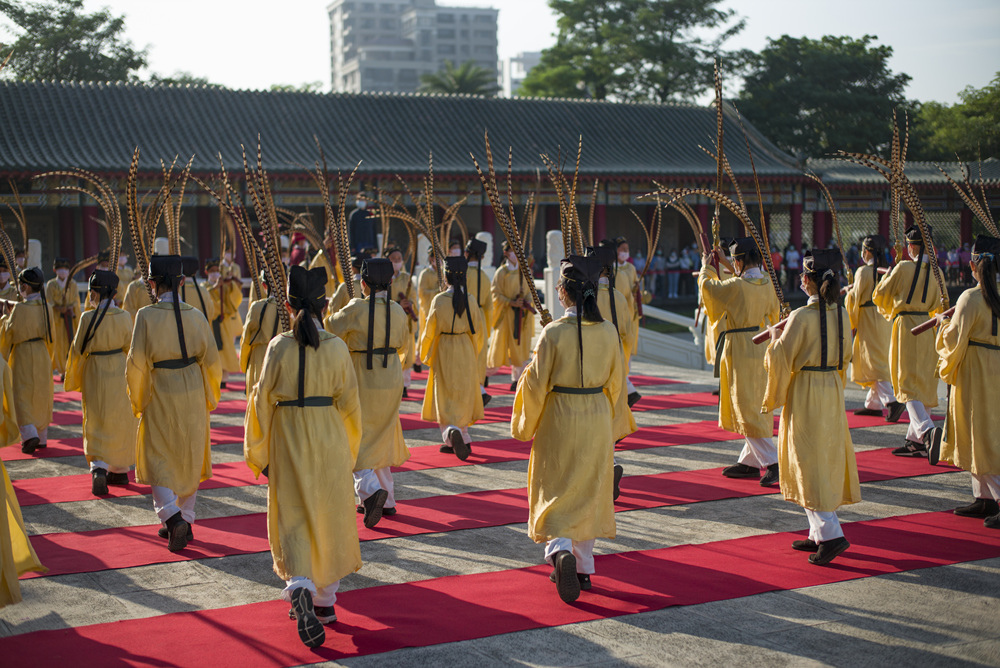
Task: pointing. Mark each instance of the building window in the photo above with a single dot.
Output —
(446, 49)
(483, 34)
(482, 18)
(387, 24)
(446, 33)
(446, 18)
(484, 50)
(387, 9)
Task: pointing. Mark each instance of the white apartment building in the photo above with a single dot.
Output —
(514, 70)
(386, 46)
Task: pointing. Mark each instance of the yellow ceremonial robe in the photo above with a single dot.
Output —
(173, 404)
(333, 276)
(25, 346)
(570, 472)
(816, 460)
(912, 359)
(109, 428)
(136, 296)
(478, 284)
(310, 452)
(870, 361)
(972, 428)
(712, 328)
(507, 286)
(63, 326)
(744, 303)
(403, 285)
(451, 350)
(626, 280)
(341, 297)
(263, 324)
(427, 288)
(624, 420)
(17, 556)
(197, 296)
(226, 298)
(125, 276)
(8, 293)
(380, 389)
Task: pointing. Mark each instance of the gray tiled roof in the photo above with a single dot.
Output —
(834, 171)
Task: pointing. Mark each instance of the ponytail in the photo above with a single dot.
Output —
(986, 266)
(304, 329)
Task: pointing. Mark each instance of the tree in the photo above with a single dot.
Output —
(59, 41)
(466, 79)
(634, 50)
(970, 128)
(817, 96)
(309, 87)
(182, 78)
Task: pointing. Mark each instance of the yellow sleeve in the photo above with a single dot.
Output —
(953, 340)
(73, 380)
(533, 389)
(712, 291)
(10, 432)
(883, 297)
(428, 337)
(234, 298)
(853, 300)
(348, 403)
(6, 336)
(778, 364)
(260, 412)
(138, 368)
(250, 328)
(479, 324)
(211, 366)
(613, 387)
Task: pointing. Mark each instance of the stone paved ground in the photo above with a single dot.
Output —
(936, 616)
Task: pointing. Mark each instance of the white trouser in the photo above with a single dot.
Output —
(166, 504)
(369, 481)
(225, 376)
(463, 430)
(986, 486)
(99, 464)
(322, 598)
(823, 526)
(516, 371)
(879, 395)
(920, 421)
(29, 431)
(407, 377)
(583, 551)
(758, 452)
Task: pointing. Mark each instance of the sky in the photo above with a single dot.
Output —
(943, 46)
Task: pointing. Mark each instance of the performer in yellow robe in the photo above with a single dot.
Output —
(450, 345)
(125, 275)
(173, 385)
(427, 289)
(907, 296)
(136, 296)
(64, 300)
(103, 264)
(303, 429)
(97, 369)
(8, 291)
(380, 384)
(17, 556)
(232, 275)
(342, 296)
(480, 290)
(193, 294)
(513, 322)
(334, 277)
(226, 295)
(26, 342)
(969, 346)
(627, 282)
(263, 323)
(710, 328)
(401, 291)
(566, 403)
(870, 362)
(806, 366)
(746, 304)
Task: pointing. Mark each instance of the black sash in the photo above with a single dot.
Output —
(217, 331)
(181, 363)
(517, 325)
(101, 353)
(313, 402)
(819, 368)
(37, 338)
(577, 390)
(868, 304)
(901, 313)
(379, 351)
(721, 342)
(980, 344)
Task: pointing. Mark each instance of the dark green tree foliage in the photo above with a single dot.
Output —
(634, 50)
(466, 79)
(58, 40)
(817, 96)
(181, 78)
(970, 128)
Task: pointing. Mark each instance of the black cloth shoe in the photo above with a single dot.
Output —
(896, 410)
(741, 471)
(311, 631)
(513, 386)
(633, 399)
(162, 532)
(447, 449)
(807, 545)
(417, 368)
(30, 445)
(406, 395)
(992, 522)
(486, 381)
(911, 449)
(567, 584)
(177, 531)
(325, 614)
(99, 482)
(770, 478)
(828, 550)
(117, 478)
(932, 441)
(373, 508)
(980, 508)
(486, 399)
(458, 445)
(388, 512)
(584, 581)
(869, 412)
(222, 385)
(715, 393)
(619, 471)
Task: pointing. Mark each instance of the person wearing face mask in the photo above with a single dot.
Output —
(450, 345)
(906, 297)
(747, 303)
(19, 259)
(96, 368)
(103, 264)
(26, 344)
(125, 276)
(226, 296)
(342, 296)
(401, 292)
(455, 248)
(64, 300)
(228, 268)
(300, 250)
(361, 227)
(513, 322)
(870, 365)
(479, 290)
(627, 282)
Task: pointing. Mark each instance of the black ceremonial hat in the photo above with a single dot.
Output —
(377, 273)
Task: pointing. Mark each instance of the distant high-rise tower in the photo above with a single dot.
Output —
(514, 70)
(386, 46)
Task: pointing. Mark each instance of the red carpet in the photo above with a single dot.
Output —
(465, 607)
(127, 547)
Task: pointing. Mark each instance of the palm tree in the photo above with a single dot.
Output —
(466, 79)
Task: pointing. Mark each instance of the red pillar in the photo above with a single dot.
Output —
(821, 225)
(489, 221)
(885, 224)
(705, 216)
(600, 223)
(551, 217)
(67, 233)
(203, 223)
(91, 241)
(965, 225)
(795, 231)
(909, 218)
